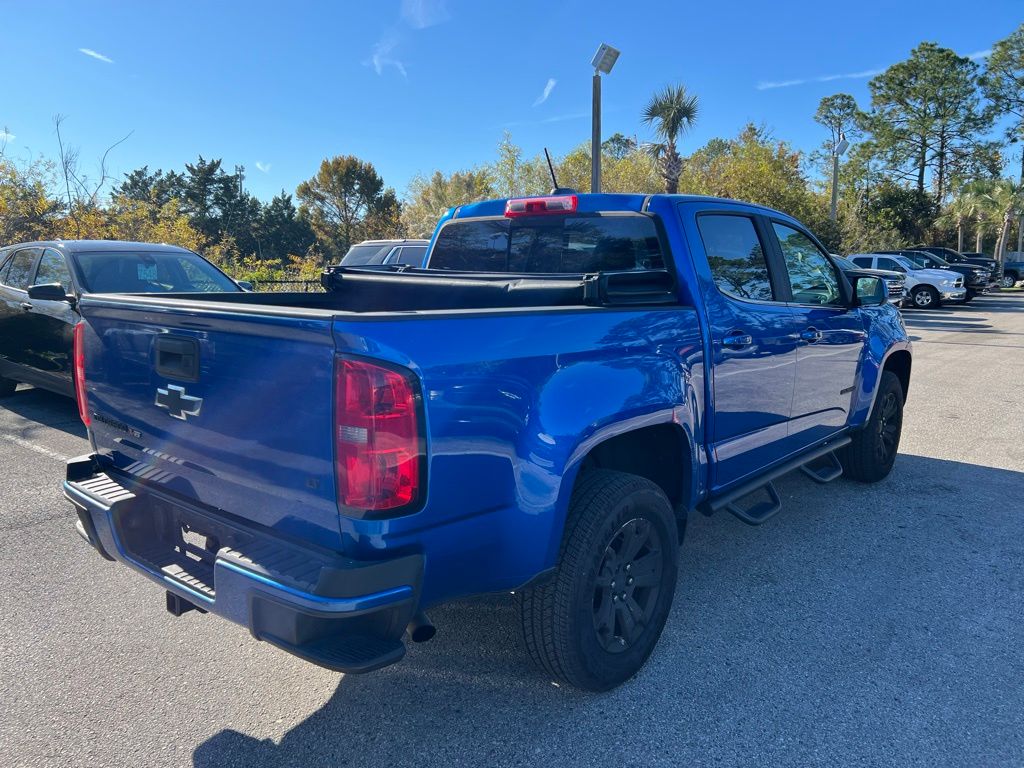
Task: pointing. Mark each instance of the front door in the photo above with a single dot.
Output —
(753, 340)
(51, 326)
(831, 338)
(15, 321)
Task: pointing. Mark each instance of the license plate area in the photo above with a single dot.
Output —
(174, 542)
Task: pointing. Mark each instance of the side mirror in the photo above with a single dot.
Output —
(48, 292)
(245, 285)
(868, 291)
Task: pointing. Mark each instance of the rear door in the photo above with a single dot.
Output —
(831, 337)
(753, 338)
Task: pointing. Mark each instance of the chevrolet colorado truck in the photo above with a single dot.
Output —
(536, 412)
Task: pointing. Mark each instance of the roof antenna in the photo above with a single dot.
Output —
(556, 190)
(554, 181)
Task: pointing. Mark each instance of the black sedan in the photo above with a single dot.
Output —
(41, 283)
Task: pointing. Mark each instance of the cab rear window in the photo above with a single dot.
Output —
(549, 244)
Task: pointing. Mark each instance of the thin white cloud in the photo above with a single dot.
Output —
(420, 14)
(548, 88)
(553, 119)
(6, 136)
(94, 55)
(768, 85)
(262, 167)
(980, 54)
(382, 57)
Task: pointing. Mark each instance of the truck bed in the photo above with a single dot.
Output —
(372, 291)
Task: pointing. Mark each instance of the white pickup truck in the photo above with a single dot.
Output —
(927, 288)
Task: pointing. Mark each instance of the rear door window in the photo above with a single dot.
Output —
(19, 274)
(736, 257)
(550, 245)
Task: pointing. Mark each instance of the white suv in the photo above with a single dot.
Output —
(927, 288)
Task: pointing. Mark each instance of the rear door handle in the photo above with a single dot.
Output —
(737, 340)
(26, 306)
(811, 335)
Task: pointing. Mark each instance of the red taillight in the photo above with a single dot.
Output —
(540, 206)
(78, 356)
(378, 452)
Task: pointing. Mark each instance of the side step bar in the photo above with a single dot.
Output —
(765, 510)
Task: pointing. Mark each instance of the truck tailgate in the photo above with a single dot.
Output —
(227, 411)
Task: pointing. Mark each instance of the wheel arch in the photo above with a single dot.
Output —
(899, 362)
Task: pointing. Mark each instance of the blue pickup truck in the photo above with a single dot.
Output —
(537, 411)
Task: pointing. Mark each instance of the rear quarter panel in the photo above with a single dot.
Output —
(513, 401)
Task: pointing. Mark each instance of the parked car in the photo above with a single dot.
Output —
(977, 280)
(538, 411)
(383, 252)
(895, 282)
(1013, 269)
(986, 261)
(42, 283)
(927, 288)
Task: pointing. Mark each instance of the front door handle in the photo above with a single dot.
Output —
(811, 335)
(26, 306)
(737, 340)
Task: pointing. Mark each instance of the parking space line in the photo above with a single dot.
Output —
(33, 447)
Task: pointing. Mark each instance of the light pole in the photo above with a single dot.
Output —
(603, 61)
(837, 150)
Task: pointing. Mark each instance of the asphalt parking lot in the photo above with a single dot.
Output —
(865, 625)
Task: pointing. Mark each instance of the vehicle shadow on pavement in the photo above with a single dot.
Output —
(861, 623)
(45, 408)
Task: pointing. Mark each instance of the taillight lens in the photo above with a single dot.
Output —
(379, 453)
(78, 356)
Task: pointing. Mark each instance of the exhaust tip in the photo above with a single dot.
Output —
(420, 629)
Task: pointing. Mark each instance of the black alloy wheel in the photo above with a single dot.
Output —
(627, 585)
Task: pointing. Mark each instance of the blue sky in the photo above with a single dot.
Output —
(414, 85)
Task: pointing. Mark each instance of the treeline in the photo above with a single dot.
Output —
(925, 164)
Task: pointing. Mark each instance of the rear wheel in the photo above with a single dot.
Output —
(925, 297)
(870, 456)
(596, 621)
(1008, 280)
(7, 386)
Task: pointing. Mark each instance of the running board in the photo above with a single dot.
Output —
(765, 510)
(760, 512)
(824, 469)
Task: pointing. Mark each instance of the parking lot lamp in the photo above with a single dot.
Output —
(603, 61)
(837, 150)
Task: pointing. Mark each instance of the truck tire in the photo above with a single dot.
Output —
(7, 387)
(595, 622)
(925, 297)
(1008, 280)
(869, 458)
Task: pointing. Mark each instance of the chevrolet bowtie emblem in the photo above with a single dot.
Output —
(177, 403)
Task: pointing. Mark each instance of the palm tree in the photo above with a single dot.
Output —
(958, 213)
(671, 112)
(1006, 202)
(978, 207)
